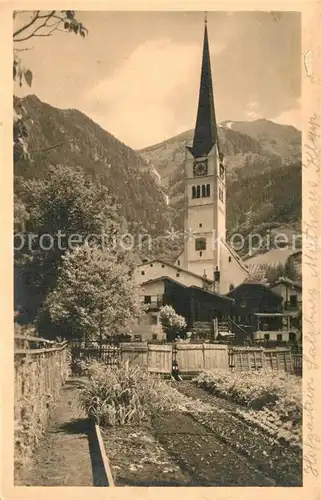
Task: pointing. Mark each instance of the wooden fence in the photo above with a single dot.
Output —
(254, 358)
(197, 357)
(193, 358)
(109, 354)
(41, 368)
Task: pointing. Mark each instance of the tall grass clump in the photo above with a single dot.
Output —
(126, 394)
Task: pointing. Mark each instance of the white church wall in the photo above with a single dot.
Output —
(232, 273)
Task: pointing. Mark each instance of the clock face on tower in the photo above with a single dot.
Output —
(200, 168)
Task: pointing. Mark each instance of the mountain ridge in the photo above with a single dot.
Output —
(69, 136)
(149, 183)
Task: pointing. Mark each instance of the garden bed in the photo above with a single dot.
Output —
(233, 425)
(198, 451)
(269, 400)
(176, 450)
(159, 433)
(138, 459)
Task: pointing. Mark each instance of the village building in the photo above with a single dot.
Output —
(260, 315)
(291, 292)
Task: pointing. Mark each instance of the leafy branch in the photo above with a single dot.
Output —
(41, 24)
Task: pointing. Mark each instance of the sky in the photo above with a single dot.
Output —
(137, 73)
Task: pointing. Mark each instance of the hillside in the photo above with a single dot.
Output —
(275, 139)
(69, 137)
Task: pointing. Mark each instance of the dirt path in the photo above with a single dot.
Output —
(65, 455)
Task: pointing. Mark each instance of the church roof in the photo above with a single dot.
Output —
(205, 134)
(237, 258)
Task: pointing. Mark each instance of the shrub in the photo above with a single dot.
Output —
(127, 394)
(172, 323)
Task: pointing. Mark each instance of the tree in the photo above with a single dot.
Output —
(94, 295)
(63, 211)
(173, 324)
(28, 25)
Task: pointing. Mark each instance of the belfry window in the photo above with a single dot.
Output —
(203, 191)
(193, 191)
(200, 244)
(208, 190)
(198, 192)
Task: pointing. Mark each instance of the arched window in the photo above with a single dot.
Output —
(198, 192)
(208, 190)
(203, 191)
(193, 191)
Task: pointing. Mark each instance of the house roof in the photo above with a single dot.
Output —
(225, 297)
(194, 287)
(287, 282)
(163, 278)
(283, 315)
(255, 284)
(180, 269)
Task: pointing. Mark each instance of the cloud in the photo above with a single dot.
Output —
(135, 102)
(252, 109)
(290, 117)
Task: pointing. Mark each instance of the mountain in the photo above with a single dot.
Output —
(262, 162)
(69, 137)
(275, 139)
(263, 165)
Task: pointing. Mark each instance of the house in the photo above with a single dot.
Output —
(259, 314)
(194, 303)
(250, 298)
(290, 291)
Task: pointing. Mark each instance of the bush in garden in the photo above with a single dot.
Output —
(127, 394)
(172, 323)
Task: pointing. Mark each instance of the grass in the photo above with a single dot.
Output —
(127, 394)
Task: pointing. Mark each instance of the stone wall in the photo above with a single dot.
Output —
(39, 376)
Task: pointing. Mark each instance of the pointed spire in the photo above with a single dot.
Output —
(205, 134)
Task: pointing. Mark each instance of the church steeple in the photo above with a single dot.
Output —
(205, 134)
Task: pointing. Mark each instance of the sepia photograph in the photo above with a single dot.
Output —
(158, 284)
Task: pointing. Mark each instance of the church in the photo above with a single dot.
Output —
(207, 263)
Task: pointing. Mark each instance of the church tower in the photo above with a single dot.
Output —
(205, 198)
